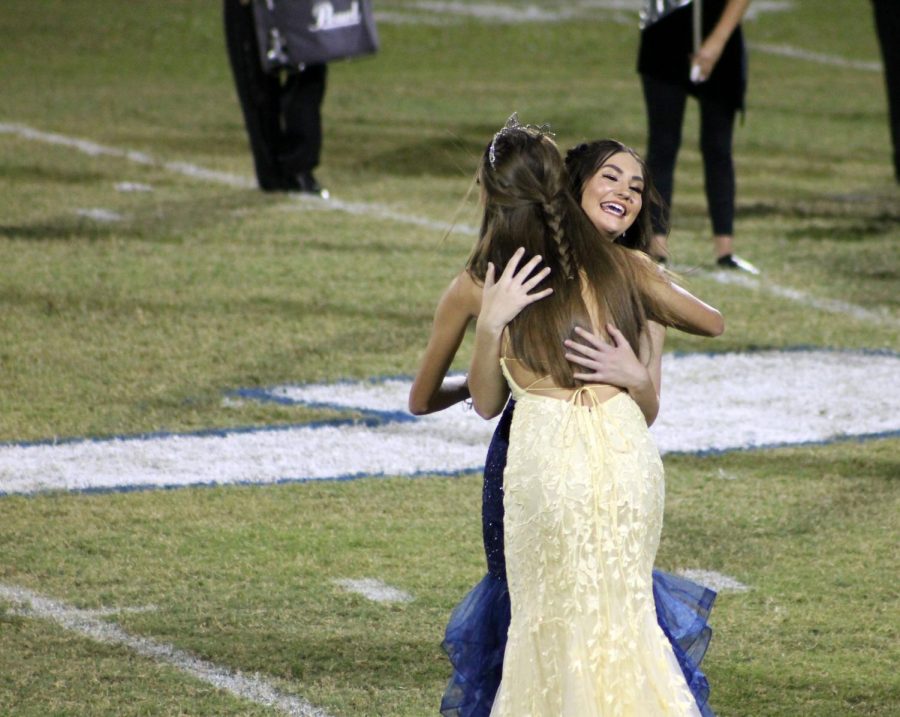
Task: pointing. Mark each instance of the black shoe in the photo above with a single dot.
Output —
(307, 184)
(277, 184)
(731, 261)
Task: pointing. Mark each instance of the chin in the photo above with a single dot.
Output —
(611, 231)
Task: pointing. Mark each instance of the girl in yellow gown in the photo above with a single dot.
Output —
(583, 485)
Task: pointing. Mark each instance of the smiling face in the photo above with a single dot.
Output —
(612, 198)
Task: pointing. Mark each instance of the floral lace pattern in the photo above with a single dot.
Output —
(583, 499)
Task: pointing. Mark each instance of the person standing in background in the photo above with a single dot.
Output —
(887, 25)
(282, 111)
(694, 47)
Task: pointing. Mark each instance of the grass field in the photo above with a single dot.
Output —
(198, 287)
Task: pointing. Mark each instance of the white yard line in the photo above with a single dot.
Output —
(248, 687)
(618, 12)
(382, 211)
(830, 306)
(98, 150)
(193, 171)
(818, 58)
(99, 612)
(377, 211)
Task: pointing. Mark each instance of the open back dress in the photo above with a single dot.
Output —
(583, 502)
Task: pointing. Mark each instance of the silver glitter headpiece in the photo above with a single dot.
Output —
(512, 125)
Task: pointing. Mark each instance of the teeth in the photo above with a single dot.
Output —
(617, 208)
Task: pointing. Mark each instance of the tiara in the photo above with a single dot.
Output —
(512, 125)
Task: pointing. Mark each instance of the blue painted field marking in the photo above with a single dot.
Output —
(315, 396)
(712, 403)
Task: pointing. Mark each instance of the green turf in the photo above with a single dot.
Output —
(142, 325)
(244, 577)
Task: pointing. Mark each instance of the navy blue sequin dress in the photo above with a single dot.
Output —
(475, 638)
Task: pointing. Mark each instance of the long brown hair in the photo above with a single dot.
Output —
(527, 203)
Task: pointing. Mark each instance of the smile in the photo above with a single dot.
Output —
(613, 208)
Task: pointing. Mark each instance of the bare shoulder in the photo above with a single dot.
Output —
(652, 267)
(465, 293)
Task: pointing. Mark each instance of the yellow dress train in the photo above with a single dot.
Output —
(583, 499)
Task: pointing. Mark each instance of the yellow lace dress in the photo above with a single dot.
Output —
(583, 498)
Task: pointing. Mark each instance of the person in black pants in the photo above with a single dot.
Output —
(282, 112)
(887, 24)
(717, 76)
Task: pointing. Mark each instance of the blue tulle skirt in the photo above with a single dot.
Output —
(682, 611)
(475, 639)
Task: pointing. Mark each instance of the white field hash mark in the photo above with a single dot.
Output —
(373, 589)
(383, 212)
(129, 187)
(84, 622)
(715, 581)
(99, 214)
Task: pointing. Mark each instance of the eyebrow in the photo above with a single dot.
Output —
(637, 177)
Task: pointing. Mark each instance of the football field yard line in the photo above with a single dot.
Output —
(830, 306)
(819, 58)
(248, 687)
(193, 171)
(382, 211)
(617, 12)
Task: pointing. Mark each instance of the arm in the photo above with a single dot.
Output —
(685, 311)
(501, 302)
(431, 389)
(617, 365)
(713, 45)
(675, 306)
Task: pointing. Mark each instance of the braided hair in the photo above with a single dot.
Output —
(554, 219)
(527, 203)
